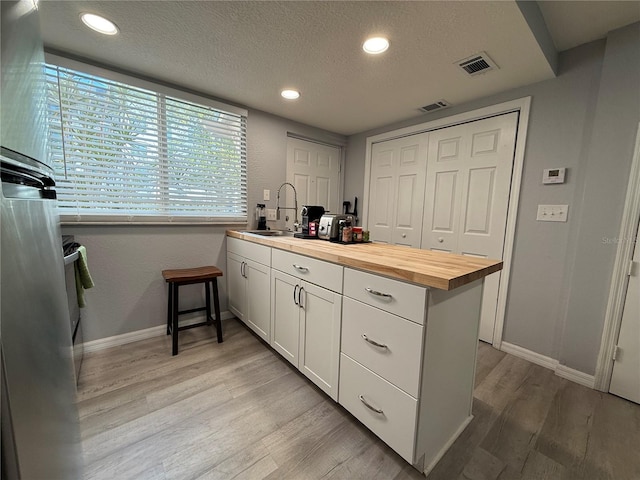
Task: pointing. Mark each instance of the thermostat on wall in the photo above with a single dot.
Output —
(553, 175)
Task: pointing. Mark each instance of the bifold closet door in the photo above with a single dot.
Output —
(468, 183)
(396, 190)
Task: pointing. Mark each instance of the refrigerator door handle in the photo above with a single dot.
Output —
(21, 183)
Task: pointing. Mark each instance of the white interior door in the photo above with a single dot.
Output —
(314, 169)
(396, 192)
(625, 381)
(382, 191)
(468, 183)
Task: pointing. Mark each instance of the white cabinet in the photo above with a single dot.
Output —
(385, 409)
(389, 345)
(305, 318)
(285, 338)
(318, 272)
(407, 362)
(398, 356)
(249, 285)
(400, 298)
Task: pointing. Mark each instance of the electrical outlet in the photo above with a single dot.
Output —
(266, 195)
(552, 213)
(271, 213)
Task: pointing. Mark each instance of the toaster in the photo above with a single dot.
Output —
(329, 227)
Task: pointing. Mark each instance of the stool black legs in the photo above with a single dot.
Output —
(173, 292)
(216, 305)
(169, 308)
(207, 298)
(173, 311)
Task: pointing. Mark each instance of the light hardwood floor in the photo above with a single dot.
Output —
(237, 410)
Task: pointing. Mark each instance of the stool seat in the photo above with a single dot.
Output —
(197, 274)
(186, 276)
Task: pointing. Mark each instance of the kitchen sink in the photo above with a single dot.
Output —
(269, 233)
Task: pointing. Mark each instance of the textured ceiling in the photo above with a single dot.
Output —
(246, 52)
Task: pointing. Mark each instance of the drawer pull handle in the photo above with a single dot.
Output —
(302, 269)
(373, 342)
(366, 404)
(378, 294)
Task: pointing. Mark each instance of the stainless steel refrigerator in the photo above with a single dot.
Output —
(40, 434)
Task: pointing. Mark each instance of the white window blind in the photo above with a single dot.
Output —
(128, 154)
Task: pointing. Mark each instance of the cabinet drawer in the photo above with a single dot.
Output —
(325, 274)
(251, 251)
(399, 358)
(400, 298)
(396, 424)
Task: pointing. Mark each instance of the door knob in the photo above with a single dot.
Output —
(440, 239)
(404, 235)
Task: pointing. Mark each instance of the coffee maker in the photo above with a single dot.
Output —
(260, 216)
(310, 214)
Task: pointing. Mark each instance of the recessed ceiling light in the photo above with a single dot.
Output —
(290, 94)
(375, 45)
(99, 24)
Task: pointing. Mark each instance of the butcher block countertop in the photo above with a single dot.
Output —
(445, 271)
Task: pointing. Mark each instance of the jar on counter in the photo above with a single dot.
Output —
(357, 234)
(347, 232)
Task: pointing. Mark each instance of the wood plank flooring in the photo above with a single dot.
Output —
(237, 410)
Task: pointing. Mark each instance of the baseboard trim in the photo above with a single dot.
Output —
(533, 357)
(576, 376)
(130, 337)
(563, 371)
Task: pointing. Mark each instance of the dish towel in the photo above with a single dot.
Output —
(83, 277)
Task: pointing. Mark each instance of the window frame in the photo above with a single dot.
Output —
(159, 88)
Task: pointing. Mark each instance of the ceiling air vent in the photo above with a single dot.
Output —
(439, 105)
(476, 64)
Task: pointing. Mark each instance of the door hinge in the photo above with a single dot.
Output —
(631, 268)
(616, 353)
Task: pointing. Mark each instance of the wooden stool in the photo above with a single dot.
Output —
(187, 276)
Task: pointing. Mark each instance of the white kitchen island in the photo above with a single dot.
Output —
(388, 332)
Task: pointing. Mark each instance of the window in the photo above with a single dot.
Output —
(123, 153)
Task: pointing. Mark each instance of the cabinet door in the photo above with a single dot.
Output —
(285, 315)
(320, 337)
(258, 298)
(236, 287)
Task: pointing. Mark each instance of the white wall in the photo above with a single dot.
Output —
(585, 119)
(126, 261)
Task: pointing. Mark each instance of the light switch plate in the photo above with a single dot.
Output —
(271, 213)
(266, 195)
(552, 213)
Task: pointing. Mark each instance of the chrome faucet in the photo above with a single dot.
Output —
(295, 198)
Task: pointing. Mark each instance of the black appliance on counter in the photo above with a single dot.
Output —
(309, 214)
